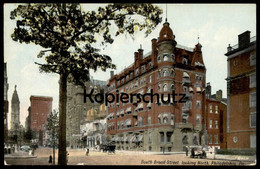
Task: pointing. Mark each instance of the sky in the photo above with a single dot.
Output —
(216, 25)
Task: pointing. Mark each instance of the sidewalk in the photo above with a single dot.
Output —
(232, 157)
(19, 154)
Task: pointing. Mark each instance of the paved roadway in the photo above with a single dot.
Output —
(78, 157)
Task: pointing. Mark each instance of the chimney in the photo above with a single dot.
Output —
(154, 45)
(229, 48)
(208, 90)
(244, 39)
(111, 74)
(219, 95)
(136, 56)
(140, 53)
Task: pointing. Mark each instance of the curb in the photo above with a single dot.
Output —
(19, 157)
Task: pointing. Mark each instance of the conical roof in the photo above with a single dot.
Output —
(15, 98)
(166, 33)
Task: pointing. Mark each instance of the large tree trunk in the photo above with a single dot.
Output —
(62, 155)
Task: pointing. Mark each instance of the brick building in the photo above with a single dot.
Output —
(41, 107)
(241, 87)
(160, 126)
(216, 111)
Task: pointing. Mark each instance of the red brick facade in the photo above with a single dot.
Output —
(41, 106)
(241, 114)
(166, 68)
(216, 123)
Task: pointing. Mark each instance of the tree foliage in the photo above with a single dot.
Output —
(68, 33)
(52, 128)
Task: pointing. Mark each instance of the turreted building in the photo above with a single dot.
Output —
(16, 130)
(160, 125)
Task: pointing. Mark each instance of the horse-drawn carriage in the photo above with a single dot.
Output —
(108, 148)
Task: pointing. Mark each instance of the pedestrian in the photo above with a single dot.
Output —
(50, 160)
(87, 152)
(67, 156)
(187, 150)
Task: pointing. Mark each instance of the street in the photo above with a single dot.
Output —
(78, 157)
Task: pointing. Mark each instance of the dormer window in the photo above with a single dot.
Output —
(136, 72)
(131, 75)
(150, 65)
(143, 68)
(185, 61)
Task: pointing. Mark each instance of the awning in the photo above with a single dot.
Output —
(113, 139)
(149, 104)
(122, 111)
(128, 122)
(185, 75)
(127, 138)
(160, 115)
(141, 91)
(140, 106)
(198, 89)
(116, 138)
(128, 109)
(136, 122)
(190, 89)
(140, 138)
(133, 138)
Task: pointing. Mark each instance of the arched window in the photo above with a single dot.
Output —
(165, 72)
(165, 119)
(173, 57)
(172, 72)
(185, 61)
(140, 121)
(159, 73)
(185, 139)
(172, 87)
(159, 58)
(166, 57)
(165, 87)
(172, 119)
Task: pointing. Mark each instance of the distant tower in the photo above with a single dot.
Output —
(15, 111)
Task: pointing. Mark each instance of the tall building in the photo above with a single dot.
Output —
(77, 110)
(16, 130)
(15, 111)
(41, 107)
(241, 93)
(160, 126)
(216, 111)
(6, 104)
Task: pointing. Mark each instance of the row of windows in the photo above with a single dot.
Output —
(165, 57)
(130, 76)
(211, 110)
(211, 124)
(166, 72)
(185, 117)
(215, 138)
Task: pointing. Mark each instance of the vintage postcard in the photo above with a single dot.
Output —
(129, 84)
